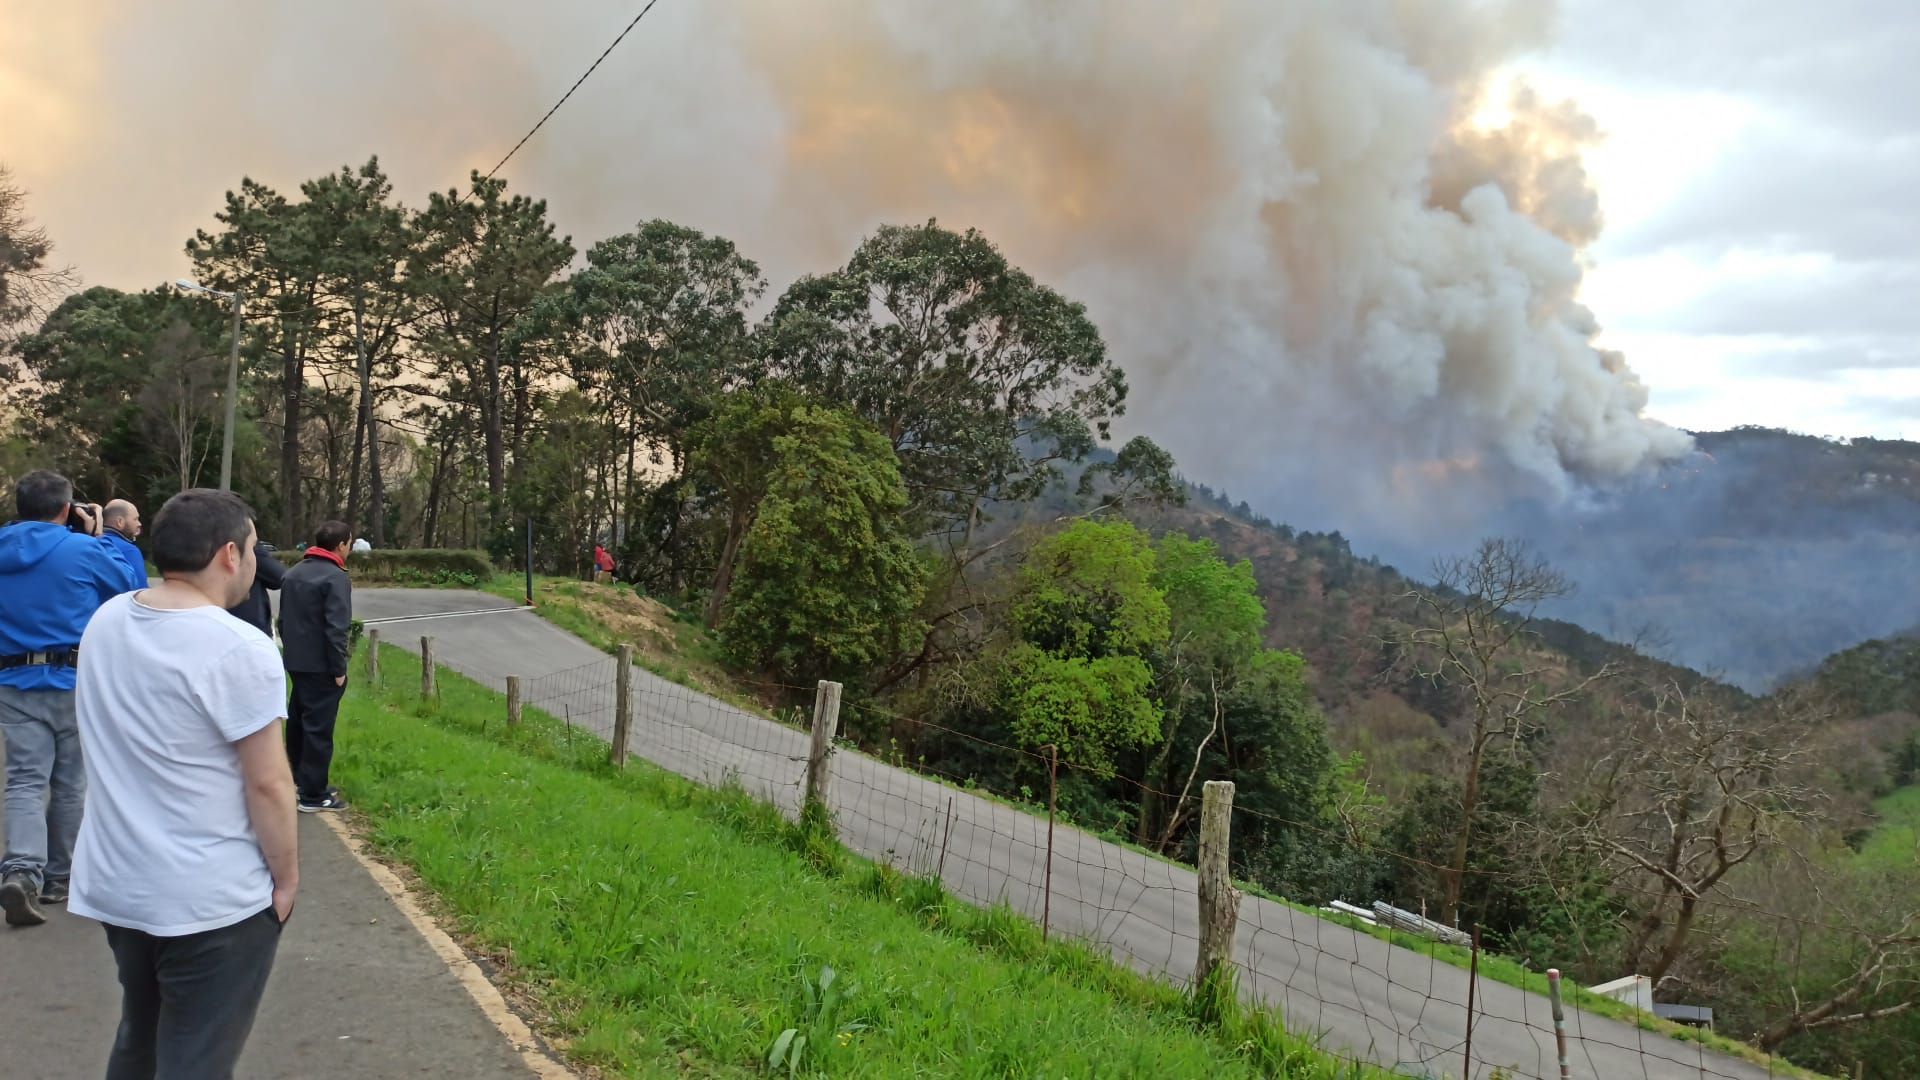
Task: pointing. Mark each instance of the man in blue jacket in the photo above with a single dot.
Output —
(121, 527)
(53, 576)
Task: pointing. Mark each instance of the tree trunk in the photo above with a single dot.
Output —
(737, 526)
(1650, 924)
(1150, 801)
(436, 488)
(293, 392)
(1469, 801)
(1676, 939)
(333, 464)
(183, 426)
(522, 415)
(376, 486)
(490, 413)
(363, 416)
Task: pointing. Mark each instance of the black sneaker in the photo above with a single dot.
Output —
(17, 897)
(329, 801)
(53, 892)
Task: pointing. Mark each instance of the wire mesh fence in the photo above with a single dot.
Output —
(1405, 1007)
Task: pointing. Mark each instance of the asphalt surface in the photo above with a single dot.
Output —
(355, 991)
(1361, 996)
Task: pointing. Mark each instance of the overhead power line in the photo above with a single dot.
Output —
(576, 85)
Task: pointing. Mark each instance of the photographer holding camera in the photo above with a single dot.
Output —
(55, 571)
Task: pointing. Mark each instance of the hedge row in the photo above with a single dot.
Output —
(402, 566)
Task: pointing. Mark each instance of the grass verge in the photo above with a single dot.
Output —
(1513, 973)
(1895, 841)
(665, 928)
(670, 643)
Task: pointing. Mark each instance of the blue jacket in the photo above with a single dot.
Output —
(131, 553)
(51, 581)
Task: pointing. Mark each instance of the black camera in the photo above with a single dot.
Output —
(73, 516)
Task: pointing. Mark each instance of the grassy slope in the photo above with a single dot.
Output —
(663, 928)
(1895, 841)
(668, 643)
(593, 611)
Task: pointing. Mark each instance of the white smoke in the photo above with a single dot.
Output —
(1307, 256)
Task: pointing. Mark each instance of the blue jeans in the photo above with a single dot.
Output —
(46, 782)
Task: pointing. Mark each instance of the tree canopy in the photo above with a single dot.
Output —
(829, 578)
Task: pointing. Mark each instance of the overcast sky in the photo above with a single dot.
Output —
(1760, 175)
(1761, 180)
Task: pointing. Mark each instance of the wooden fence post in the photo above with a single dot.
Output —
(1219, 900)
(373, 655)
(1559, 1022)
(1473, 980)
(826, 724)
(513, 701)
(429, 688)
(622, 707)
(1053, 796)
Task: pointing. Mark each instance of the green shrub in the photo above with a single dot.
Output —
(404, 566)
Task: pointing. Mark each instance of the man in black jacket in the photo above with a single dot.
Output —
(256, 610)
(316, 611)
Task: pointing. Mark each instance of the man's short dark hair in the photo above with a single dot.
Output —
(194, 525)
(41, 495)
(331, 534)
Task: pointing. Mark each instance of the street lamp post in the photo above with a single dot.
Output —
(238, 296)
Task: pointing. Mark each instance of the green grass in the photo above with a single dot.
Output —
(663, 928)
(684, 654)
(1512, 972)
(1895, 841)
(561, 604)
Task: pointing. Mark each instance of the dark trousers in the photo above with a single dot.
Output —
(187, 1003)
(312, 709)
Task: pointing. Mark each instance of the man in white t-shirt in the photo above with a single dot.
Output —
(187, 851)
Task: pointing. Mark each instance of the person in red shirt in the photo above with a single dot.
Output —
(602, 564)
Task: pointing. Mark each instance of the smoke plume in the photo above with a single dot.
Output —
(1337, 253)
(1333, 282)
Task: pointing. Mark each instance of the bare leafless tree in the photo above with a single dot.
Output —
(1884, 982)
(1831, 941)
(1685, 790)
(29, 288)
(181, 399)
(1473, 632)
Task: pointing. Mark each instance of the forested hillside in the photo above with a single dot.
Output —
(1752, 559)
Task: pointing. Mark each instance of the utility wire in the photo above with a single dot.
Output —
(576, 85)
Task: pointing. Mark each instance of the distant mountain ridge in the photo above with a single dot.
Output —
(1753, 562)
(1756, 558)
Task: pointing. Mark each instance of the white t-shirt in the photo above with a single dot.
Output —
(167, 845)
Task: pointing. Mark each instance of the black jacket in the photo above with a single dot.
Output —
(255, 610)
(316, 608)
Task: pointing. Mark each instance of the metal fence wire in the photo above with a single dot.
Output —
(1365, 999)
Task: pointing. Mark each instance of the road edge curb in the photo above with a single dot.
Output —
(467, 973)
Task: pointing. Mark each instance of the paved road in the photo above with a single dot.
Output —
(355, 992)
(1364, 997)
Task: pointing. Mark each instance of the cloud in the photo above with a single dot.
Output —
(1846, 65)
(1831, 358)
(1792, 252)
(1794, 186)
(1834, 299)
(1902, 410)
